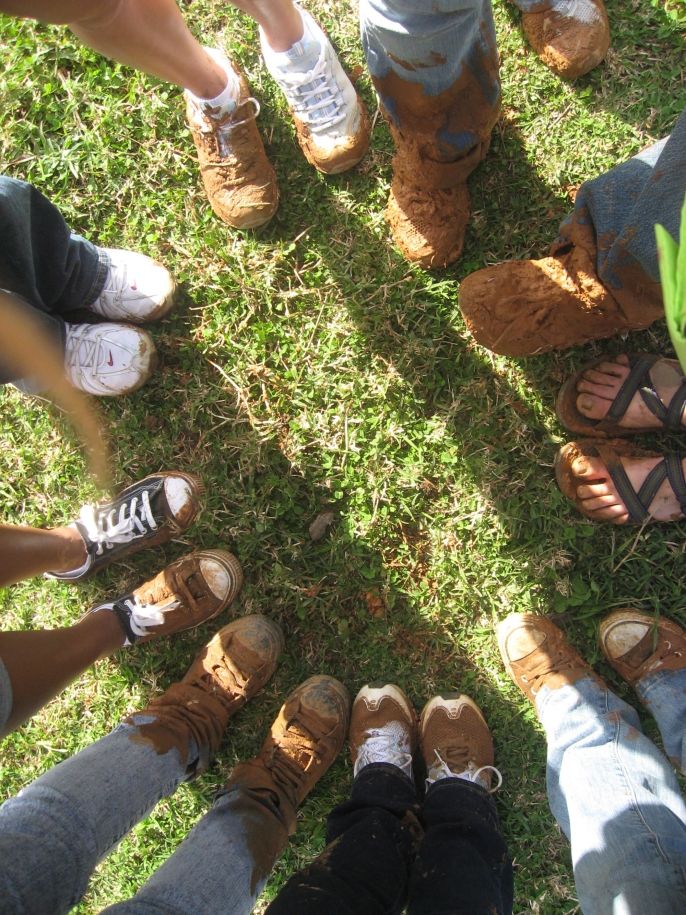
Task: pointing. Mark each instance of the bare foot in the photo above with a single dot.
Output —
(600, 500)
(599, 386)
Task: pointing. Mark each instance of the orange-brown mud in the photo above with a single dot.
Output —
(345, 155)
(568, 47)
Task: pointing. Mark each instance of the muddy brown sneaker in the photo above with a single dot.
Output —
(456, 741)
(188, 592)
(233, 666)
(570, 39)
(522, 308)
(383, 728)
(536, 653)
(636, 644)
(304, 741)
(148, 513)
(238, 177)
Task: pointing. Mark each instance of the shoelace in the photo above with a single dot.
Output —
(225, 127)
(106, 529)
(312, 92)
(382, 746)
(83, 350)
(142, 616)
(286, 757)
(441, 769)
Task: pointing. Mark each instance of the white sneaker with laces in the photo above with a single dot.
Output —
(383, 728)
(136, 289)
(332, 125)
(108, 359)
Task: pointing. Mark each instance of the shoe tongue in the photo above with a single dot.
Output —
(641, 651)
(523, 642)
(302, 56)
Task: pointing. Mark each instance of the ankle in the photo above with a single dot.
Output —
(222, 92)
(282, 34)
(72, 550)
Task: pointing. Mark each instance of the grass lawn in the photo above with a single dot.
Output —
(308, 366)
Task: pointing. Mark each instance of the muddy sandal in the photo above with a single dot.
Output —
(636, 502)
(637, 381)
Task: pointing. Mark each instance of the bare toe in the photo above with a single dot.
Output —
(590, 468)
(592, 405)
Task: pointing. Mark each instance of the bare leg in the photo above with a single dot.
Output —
(29, 551)
(149, 35)
(40, 664)
(280, 21)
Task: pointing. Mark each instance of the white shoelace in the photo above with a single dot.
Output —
(440, 769)
(582, 10)
(314, 95)
(107, 529)
(387, 745)
(83, 350)
(223, 129)
(142, 616)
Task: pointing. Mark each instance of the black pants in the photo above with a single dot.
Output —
(54, 271)
(386, 850)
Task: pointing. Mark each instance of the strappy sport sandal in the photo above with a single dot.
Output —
(636, 502)
(637, 381)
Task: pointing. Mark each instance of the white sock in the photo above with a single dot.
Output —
(301, 56)
(226, 101)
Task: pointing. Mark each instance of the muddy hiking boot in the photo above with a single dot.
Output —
(234, 665)
(522, 308)
(304, 741)
(188, 592)
(536, 654)
(571, 37)
(239, 180)
(636, 644)
(148, 513)
(456, 742)
(383, 728)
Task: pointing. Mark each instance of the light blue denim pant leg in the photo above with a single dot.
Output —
(664, 695)
(616, 798)
(435, 67)
(222, 866)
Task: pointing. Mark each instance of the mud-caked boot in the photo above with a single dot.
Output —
(304, 741)
(233, 666)
(636, 644)
(536, 654)
(522, 308)
(571, 37)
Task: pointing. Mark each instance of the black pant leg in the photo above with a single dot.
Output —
(365, 866)
(463, 866)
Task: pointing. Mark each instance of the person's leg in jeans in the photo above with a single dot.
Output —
(223, 864)
(435, 67)
(463, 866)
(371, 838)
(611, 790)
(570, 36)
(152, 36)
(649, 652)
(56, 830)
(602, 277)
(38, 664)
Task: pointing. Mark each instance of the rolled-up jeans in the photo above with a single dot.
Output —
(54, 832)
(53, 270)
(615, 795)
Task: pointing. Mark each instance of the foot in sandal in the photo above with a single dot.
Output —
(610, 480)
(632, 392)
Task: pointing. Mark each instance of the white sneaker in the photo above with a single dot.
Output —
(331, 122)
(383, 728)
(137, 288)
(108, 359)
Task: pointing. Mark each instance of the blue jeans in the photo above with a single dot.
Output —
(43, 262)
(435, 67)
(615, 796)
(54, 832)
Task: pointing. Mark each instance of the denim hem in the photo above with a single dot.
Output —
(98, 284)
(5, 695)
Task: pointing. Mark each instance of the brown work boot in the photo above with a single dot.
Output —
(383, 728)
(233, 666)
(570, 39)
(456, 741)
(521, 308)
(188, 592)
(305, 739)
(536, 653)
(636, 644)
(238, 177)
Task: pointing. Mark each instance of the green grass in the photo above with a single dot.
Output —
(308, 365)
